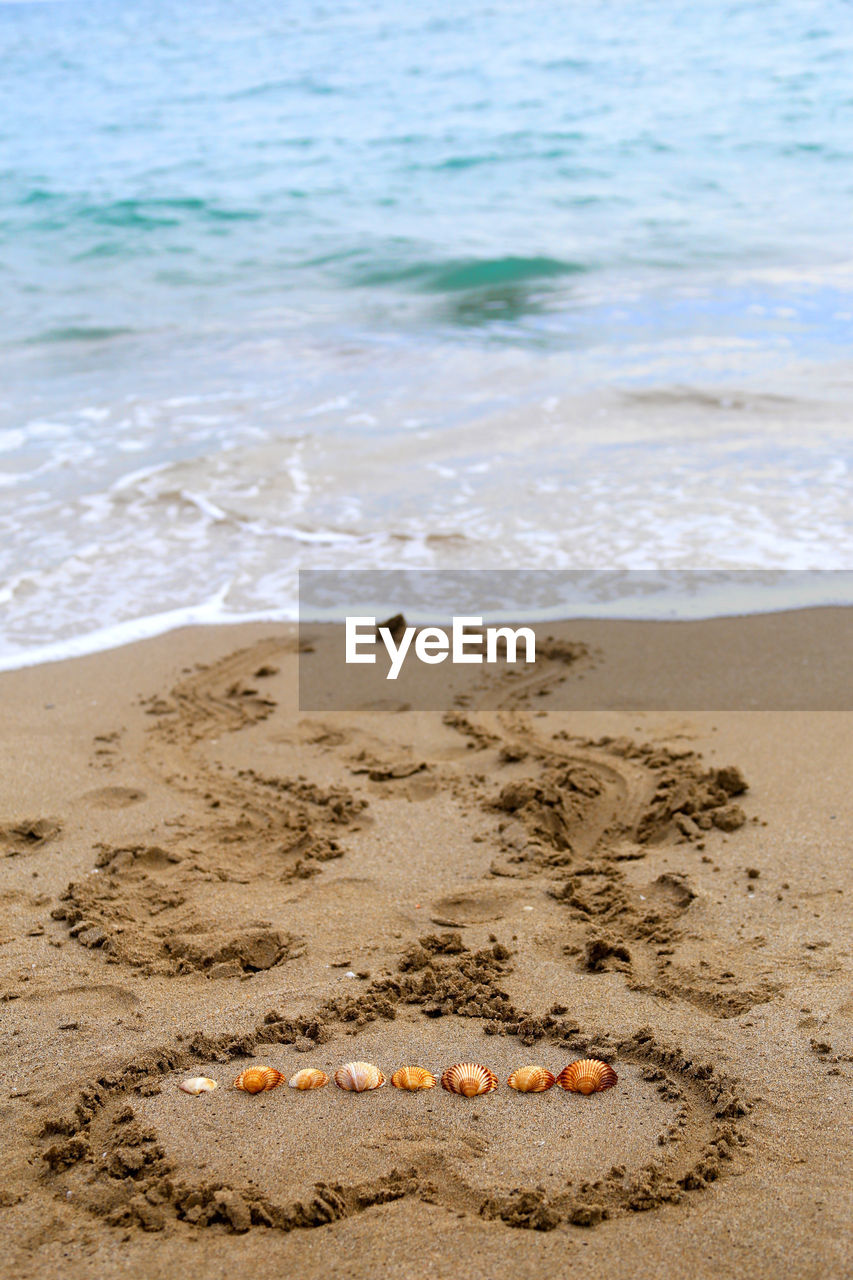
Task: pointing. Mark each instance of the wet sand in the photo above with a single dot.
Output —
(196, 876)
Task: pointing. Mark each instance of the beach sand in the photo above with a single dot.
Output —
(196, 877)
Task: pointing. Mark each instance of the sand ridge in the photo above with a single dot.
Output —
(670, 1126)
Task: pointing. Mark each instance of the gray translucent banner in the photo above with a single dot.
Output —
(569, 640)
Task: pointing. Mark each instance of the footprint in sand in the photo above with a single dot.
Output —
(100, 1000)
(114, 797)
(25, 834)
(472, 906)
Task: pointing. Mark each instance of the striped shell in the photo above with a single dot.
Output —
(469, 1079)
(198, 1084)
(413, 1078)
(257, 1079)
(531, 1080)
(308, 1078)
(358, 1077)
(588, 1075)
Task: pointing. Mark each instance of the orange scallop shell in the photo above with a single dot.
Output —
(357, 1077)
(531, 1080)
(257, 1079)
(309, 1078)
(469, 1079)
(587, 1075)
(413, 1078)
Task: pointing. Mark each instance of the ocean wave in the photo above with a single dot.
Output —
(460, 274)
(80, 333)
(151, 213)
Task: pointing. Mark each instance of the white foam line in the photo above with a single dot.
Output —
(142, 473)
(731, 601)
(322, 537)
(205, 506)
(208, 613)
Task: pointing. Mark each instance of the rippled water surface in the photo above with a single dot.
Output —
(292, 284)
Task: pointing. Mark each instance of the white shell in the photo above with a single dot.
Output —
(198, 1084)
(357, 1077)
(309, 1078)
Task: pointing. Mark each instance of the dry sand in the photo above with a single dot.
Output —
(195, 877)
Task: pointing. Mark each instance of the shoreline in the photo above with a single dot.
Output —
(210, 614)
(787, 660)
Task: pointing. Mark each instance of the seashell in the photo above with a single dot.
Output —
(198, 1084)
(257, 1079)
(413, 1078)
(469, 1079)
(357, 1077)
(531, 1080)
(308, 1078)
(587, 1075)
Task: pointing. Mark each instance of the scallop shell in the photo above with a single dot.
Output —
(308, 1078)
(469, 1079)
(531, 1080)
(359, 1076)
(198, 1084)
(587, 1075)
(257, 1079)
(413, 1078)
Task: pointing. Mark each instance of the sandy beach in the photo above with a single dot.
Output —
(196, 877)
(355, 324)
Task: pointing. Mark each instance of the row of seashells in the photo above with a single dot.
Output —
(470, 1079)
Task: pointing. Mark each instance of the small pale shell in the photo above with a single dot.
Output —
(469, 1079)
(357, 1077)
(308, 1078)
(587, 1075)
(531, 1080)
(413, 1078)
(198, 1084)
(257, 1079)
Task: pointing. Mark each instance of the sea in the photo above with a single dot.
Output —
(509, 284)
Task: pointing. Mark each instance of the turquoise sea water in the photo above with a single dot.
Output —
(501, 283)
